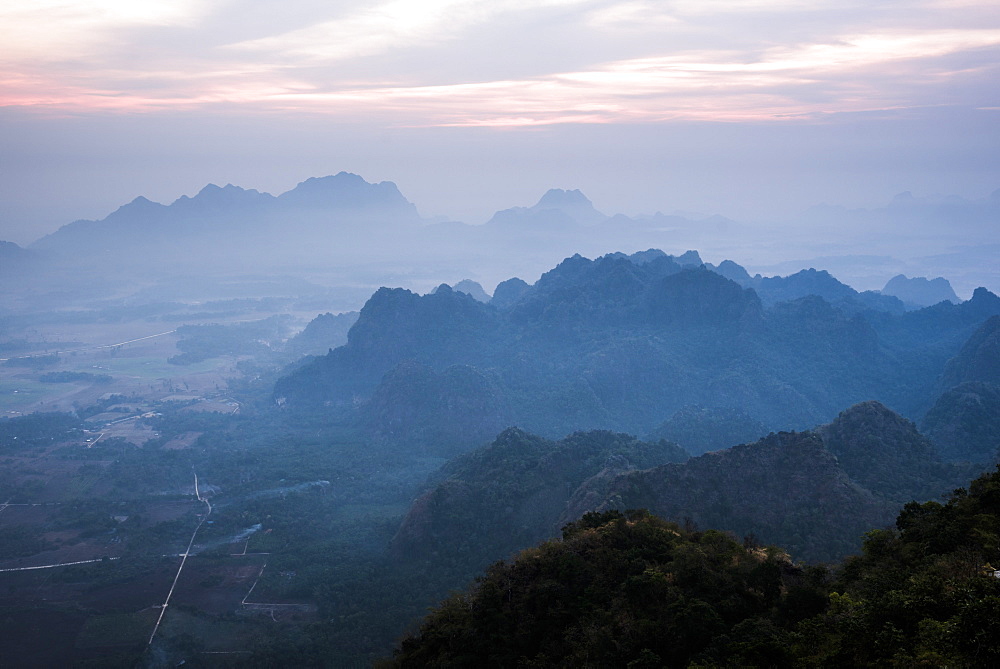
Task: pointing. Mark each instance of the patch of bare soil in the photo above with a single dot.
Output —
(182, 441)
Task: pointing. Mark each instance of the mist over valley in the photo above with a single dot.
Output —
(331, 412)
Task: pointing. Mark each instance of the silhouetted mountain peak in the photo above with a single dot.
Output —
(221, 200)
(466, 287)
(805, 282)
(211, 190)
(647, 256)
(473, 289)
(734, 272)
(569, 268)
(557, 198)
(920, 291)
(138, 209)
(983, 297)
(138, 205)
(906, 197)
(572, 203)
(208, 190)
(882, 451)
(688, 259)
(508, 292)
(348, 191)
(13, 256)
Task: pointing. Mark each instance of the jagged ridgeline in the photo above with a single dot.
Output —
(626, 589)
(814, 492)
(336, 216)
(625, 342)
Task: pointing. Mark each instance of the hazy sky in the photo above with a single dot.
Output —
(750, 108)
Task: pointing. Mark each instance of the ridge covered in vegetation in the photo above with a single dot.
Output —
(632, 590)
(624, 342)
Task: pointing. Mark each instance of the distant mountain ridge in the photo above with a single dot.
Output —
(774, 289)
(220, 224)
(556, 207)
(623, 342)
(920, 291)
(13, 254)
(328, 224)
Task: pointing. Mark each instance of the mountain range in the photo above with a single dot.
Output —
(624, 342)
(347, 231)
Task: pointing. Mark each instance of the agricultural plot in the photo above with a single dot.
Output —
(61, 616)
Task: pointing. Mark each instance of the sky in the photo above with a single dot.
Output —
(752, 109)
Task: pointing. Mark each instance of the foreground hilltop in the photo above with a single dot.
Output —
(629, 589)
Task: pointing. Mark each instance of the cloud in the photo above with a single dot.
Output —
(403, 63)
(53, 29)
(390, 26)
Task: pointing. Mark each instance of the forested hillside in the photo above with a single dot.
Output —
(623, 343)
(815, 492)
(629, 589)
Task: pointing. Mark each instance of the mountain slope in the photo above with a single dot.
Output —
(784, 488)
(511, 494)
(979, 358)
(884, 453)
(700, 429)
(964, 423)
(618, 590)
(629, 589)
